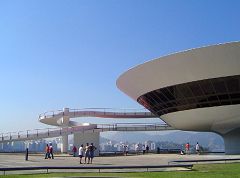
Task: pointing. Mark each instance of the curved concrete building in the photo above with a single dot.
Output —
(194, 90)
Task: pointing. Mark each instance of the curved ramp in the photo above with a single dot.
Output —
(84, 128)
(62, 117)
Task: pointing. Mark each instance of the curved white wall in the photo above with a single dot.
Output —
(196, 64)
(221, 119)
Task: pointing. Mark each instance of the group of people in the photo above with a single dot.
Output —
(144, 149)
(138, 149)
(87, 152)
(49, 151)
(187, 149)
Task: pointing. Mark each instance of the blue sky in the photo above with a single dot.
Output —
(56, 54)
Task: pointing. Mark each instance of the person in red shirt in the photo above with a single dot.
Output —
(47, 152)
(187, 147)
(74, 150)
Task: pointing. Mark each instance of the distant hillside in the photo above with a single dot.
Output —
(205, 139)
(104, 140)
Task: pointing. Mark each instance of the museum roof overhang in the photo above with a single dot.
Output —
(183, 67)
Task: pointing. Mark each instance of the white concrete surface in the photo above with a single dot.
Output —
(182, 67)
(64, 145)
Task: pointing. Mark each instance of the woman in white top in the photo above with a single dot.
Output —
(80, 153)
(197, 148)
(87, 153)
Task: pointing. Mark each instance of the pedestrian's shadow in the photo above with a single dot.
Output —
(99, 164)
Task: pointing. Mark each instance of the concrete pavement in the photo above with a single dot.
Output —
(18, 160)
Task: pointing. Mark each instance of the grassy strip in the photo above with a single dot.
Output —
(231, 170)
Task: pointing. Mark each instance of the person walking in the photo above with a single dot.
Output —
(187, 147)
(197, 147)
(51, 151)
(47, 152)
(125, 150)
(137, 148)
(74, 150)
(80, 153)
(143, 149)
(147, 148)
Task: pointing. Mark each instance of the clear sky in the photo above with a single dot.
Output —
(56, 54)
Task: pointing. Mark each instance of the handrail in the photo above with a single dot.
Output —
(204, 160)
(107, 110)
(41, 133)
(99, 168)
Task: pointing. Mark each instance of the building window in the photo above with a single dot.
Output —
(197, 94)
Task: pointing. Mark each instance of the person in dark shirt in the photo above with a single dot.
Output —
(147, 148)
(91, 152)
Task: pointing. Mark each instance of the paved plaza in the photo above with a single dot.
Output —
(18, 160)
(9, 160)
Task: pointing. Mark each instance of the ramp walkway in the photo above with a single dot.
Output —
(85, 128)
(61, 119)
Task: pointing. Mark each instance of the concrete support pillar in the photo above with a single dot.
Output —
(232, 142)
(64, 121)
(83, 138)
(64, 146)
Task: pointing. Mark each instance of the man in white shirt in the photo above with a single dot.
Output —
(80, 153)
(197, 148)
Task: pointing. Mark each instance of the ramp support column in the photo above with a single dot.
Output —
(64, 146)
